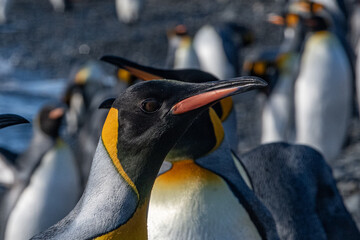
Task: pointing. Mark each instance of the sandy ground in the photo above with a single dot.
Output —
(48, 44)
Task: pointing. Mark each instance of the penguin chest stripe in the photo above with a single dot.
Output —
(109, 136)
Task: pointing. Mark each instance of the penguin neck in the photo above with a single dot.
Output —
(112, 196)
(204, 136)
(119, 186)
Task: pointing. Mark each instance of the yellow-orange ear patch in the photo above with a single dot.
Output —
(109, 136)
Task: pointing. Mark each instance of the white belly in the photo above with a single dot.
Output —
(52, 193)
(189, 202)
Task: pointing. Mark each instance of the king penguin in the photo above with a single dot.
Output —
(142, 125)
(323, 91)
(296, 184)
(181, 53)
(47, 182)
(201, 165)
(224, 108)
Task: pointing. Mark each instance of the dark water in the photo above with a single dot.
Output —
(24, 92)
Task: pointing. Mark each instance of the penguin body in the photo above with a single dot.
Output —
(213, 59)
(38, 207)
(323, 95)
(128, 11)
(181, 53)
(296, 184)
(323, 86)
(115, 202)
(188, 200)
(47, 181)
(277, 114)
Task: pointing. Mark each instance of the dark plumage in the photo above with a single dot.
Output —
(296, 185)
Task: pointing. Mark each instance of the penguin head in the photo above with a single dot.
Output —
(264, 64)
(222, 108)
(149, 117)
(49, 120)
(177, 34)
(11, 119)
(313, 15)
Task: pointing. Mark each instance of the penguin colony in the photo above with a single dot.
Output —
(155, 150)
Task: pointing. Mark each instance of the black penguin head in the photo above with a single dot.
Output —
(316, 24)
(49, 120)
(11, 119)
(159, 109)
(264, 64)
(184, 75)
(149, 117)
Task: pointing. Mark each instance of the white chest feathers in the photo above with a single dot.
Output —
(51, 194)
(189, 202)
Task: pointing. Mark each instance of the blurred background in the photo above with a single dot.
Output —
(40, 49)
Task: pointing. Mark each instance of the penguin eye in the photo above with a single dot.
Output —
(150, 105)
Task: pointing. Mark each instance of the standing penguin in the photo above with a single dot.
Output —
(129, 155)
(181, 53)
(279, 69)
(217, 48)
(224, 108)
(47, 183)
(323, 91)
